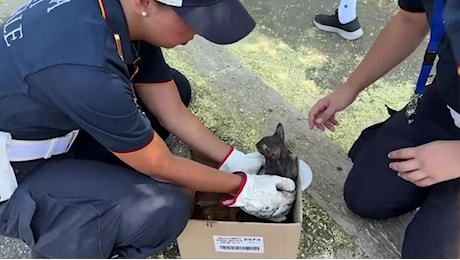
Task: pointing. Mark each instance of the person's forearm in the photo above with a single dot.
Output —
(165, 103)
(400, 37)
(199, 177)
(189, 129)
(156, 160)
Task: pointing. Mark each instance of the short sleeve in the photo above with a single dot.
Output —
(99, 101)
(152, 65)
(452, 26)
(413, 6)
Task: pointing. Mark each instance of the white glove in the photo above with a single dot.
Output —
(264, 196)
(236, 161)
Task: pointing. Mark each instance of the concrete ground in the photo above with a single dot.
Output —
(275, 75)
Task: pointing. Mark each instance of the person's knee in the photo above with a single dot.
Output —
(175, 212)
(355, 201)
(170, 213)
(371, 198)
(159, 224)
(183, 85)
(360, 201)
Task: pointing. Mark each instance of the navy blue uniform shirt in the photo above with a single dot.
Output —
(60, 70)
(447, 78)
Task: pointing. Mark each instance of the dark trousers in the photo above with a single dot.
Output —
(84, 206)
(373, 190)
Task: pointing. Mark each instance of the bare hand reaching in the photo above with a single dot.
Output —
(322, 114)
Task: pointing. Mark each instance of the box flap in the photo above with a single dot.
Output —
(297, 210)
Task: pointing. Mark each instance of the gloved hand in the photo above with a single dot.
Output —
(264, 196)
(236, 161)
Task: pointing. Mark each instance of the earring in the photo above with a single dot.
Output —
(144, 13)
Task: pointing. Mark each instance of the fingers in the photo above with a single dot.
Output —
(414, 176)
(329, 125)
(284, 208)
(405, 166)
(334, 121)
(322, 116)
(418, 177)
(320, 126)
(284, 184)
(325, 115)
(319, 107)
(403, 154)
(410, 170)
(425, 182)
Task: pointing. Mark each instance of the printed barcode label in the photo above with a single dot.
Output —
(240, 248)
(239, 244)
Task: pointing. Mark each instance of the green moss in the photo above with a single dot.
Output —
(302, 76)
(320, 236)
(3, 15)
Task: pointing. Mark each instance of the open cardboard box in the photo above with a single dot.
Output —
(230, 239)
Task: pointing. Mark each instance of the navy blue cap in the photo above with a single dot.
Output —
(219, 21)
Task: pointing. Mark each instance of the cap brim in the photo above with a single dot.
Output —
(225, 22)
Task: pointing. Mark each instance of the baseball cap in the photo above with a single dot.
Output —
(219, 21)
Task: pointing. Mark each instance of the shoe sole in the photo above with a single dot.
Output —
(344, 34)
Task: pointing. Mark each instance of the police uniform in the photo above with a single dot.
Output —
(68, 65)
(373, 190)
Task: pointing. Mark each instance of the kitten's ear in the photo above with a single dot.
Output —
(280, 131)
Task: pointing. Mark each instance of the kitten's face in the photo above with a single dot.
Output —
(272, 152)
(280, 160)
(273, 146)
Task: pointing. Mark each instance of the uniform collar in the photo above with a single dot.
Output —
(117, 21)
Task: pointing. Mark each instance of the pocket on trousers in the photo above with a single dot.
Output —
(63, 228)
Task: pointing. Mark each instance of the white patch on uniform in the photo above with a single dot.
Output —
(455, 116)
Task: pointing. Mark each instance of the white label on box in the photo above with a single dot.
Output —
(239, 244)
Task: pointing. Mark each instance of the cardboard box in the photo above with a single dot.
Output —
(228, 239)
